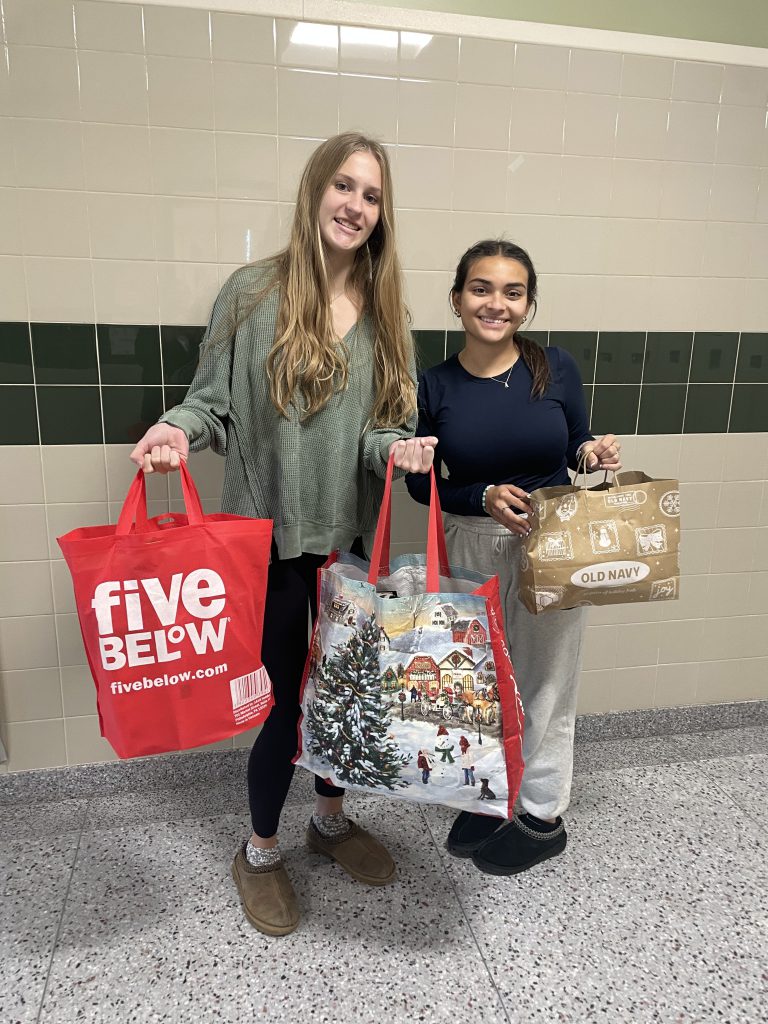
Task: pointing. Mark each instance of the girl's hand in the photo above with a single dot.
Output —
(603, 454)
(509, 506)
(415, 455)
(161, 449)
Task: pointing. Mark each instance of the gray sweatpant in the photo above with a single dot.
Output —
(546, 654)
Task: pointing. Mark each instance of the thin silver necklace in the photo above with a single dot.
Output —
(505, 382)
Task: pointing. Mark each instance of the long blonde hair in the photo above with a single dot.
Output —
(306, 359)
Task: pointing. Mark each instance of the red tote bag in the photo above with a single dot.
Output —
(171, 611)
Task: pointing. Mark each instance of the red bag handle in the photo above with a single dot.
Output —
(437, 554)
(135, 504)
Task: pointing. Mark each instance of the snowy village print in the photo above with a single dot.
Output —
(402, 697)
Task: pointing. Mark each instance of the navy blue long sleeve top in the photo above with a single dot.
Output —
(489, 434)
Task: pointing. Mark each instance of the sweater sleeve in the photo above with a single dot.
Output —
(204, 413)
(574, 407)
(376, 442)
(458, 499)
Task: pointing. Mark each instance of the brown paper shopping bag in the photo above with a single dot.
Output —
(615, 543)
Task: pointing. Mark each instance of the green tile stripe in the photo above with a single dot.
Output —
(94, 383)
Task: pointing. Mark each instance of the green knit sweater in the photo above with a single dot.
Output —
(321, 481)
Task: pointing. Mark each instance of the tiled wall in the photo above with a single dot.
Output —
(146, 152)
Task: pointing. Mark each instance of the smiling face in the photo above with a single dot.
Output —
(351, 205)
(493, 301)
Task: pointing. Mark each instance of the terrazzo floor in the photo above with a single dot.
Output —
(122, 909)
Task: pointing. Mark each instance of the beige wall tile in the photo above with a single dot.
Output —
(699, 503)
(30, 696)
(479, 180)
(659, 453)
(25, 588)
(760, 541)
(426, 113)
(732, 680)
(245, 740)
(593, 692)
(60, 290)
(758, 592)
(308, 103)
(585, 189)
(13, 288)
(734, 193)
(27, 642)
(117, 158)
(674, 301)
(744, 85)
(740, 506)
(757, 235)
(304, 44)
(727, 251)
(538, 120)
(10, 222)
(534, 183)
(43, 82)
(637, 644)
(630, 247)
(482, 116)
(696, 551)
(22, 475)
(573, 302)
(741, 135)
(48, 153)
(23, 532)
(85, 744)
(183, 162)
(600, 647)
(181, 92)
(595, 71)
(368, 104)
(71, 516)
(39, 22)
(754, 314)
(104, 26)
(429, 56)
(745, 461)
(692, 131)
(641, 131)
(679, 640)
(762, 200)
(120, 472)
(74, 473)
(243, 37)
(69, 640)
(735, 549)
(184, 229)
(292, 156)
(176, 32)
(486, 61)
(581, 246)
(125, 292)
(78, 691)
(647, 76)
(409, 520)
(697, 81)
(187, 292)
(63, 592)
(541, 67)
(8, 174)
(54, 223)
(702, 456)
(427, 298)
(424, 240)
(693, 602)
(245, 97)
(121, 227)
(154, 508)
(676, 685)
(245, 231)
(590, 124)
(468, 228)
(680, 248)
(635, 188)
(246, 166)
(630, 688)
(624, 299)
(368, 50)
(423, 177)
(729, 594)
(113, 87)
(208, 471)
(32, 745)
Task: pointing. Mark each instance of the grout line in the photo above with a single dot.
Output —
(63, 911)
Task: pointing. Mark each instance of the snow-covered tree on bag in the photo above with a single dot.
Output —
(347, 721)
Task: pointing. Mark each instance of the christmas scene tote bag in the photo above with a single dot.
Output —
(616, 543)
(171, 610)
(409, 689)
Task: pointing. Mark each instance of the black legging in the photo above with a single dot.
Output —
(291, 591)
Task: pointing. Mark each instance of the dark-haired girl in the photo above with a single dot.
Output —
(510, 417)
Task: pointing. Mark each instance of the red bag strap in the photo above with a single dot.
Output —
(135, 505)
(437, 555)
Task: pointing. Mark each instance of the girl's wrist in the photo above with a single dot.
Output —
(484, 499)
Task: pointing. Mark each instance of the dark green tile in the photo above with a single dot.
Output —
(430, 348)
(662, 407)
(15, 354)
(18, 423)
(749, 412)
(667, 357)
(752, 367)
(129, 412)
(614, 409)
(540, 337)
(181, 352)
(620, 357)
(706, 410)
(129, 354)
(714, 358)
(69, 415)
(454, 342)
(588, 390)
(174, 395)
(65, 353)
(583, 347)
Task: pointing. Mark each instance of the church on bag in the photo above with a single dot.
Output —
(171, 612)
(409, 690)
(616, 543)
